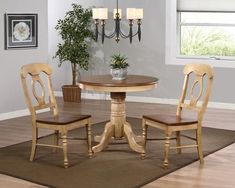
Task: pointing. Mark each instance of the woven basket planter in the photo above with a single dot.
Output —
(71, 93)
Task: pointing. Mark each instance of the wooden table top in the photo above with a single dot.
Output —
(106, 80)
(106, 83)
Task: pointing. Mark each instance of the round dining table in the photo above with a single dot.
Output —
(118, 127)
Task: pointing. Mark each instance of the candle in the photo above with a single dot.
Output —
(139, 13)
(130, 13)
(115, 12)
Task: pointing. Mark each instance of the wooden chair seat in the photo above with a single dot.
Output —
(62, 119)
(170, 120)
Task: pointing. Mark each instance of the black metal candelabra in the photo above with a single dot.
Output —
(117, 32)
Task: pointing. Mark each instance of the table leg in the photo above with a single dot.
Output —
(132, 139)
(105, 137)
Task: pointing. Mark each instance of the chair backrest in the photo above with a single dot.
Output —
(200, 72)
(36, 70)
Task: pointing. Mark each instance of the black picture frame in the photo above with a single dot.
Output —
(21, 31)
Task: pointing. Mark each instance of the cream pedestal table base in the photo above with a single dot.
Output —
(118, 128)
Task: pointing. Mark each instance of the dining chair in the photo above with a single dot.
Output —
(60, 123)
(194, 77)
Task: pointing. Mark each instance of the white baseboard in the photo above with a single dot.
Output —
(219, 105)
(104, 96)
(58, 93)
(14, 114)
(18, 113)
(25, 112)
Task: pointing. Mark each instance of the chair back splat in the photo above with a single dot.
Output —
(200, 71)
(35, 71)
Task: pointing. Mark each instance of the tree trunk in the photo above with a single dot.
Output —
(74, 73)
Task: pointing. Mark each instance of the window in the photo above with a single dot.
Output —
(200, 31)
(207, 34)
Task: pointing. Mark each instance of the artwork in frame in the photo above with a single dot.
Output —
(21, 31)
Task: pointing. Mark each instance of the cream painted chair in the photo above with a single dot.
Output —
(176, 123)
(60, 123)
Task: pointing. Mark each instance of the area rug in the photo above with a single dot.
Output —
(116, 167)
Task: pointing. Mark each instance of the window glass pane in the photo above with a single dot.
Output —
(207, 41)
(205, 17)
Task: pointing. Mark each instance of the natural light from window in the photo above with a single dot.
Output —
(207, 34)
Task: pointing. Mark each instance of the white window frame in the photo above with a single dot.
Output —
(172, 47)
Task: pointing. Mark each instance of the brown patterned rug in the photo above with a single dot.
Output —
(116, 167)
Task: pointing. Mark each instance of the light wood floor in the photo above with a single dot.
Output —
(218, 171)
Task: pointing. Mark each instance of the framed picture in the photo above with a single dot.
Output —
(21, 31)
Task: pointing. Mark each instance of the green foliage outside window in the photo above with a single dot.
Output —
(200, 41)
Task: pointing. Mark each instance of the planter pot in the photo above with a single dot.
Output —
(71, 93)
(119, 74)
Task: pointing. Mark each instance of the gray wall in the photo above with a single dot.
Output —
(11, 94)
(147, 57)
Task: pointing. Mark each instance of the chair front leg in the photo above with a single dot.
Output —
(56, 140)
(178, 142)
(65, 149)
(144, 135)
(88, 130)
(34, 142)
(199, 144)
(167, 148)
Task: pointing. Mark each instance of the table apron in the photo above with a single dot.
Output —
(117, 88)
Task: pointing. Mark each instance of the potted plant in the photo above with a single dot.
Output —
(118, 66)
(75, 32)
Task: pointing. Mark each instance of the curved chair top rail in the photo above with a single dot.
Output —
(35, 69)
(199, 69)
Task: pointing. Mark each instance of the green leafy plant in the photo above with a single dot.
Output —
(118, 61)
(75, 32)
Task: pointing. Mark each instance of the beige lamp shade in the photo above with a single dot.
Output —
(130, 13)
(103, 14)
(100, 13)
(95, 13)
(139, 13)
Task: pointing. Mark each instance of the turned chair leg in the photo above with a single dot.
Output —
(56, 140)
(199, 144)
(34, 142)
(65, 149)
(178, 142)
(167, 148)
(88, 129)
(144, 139)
